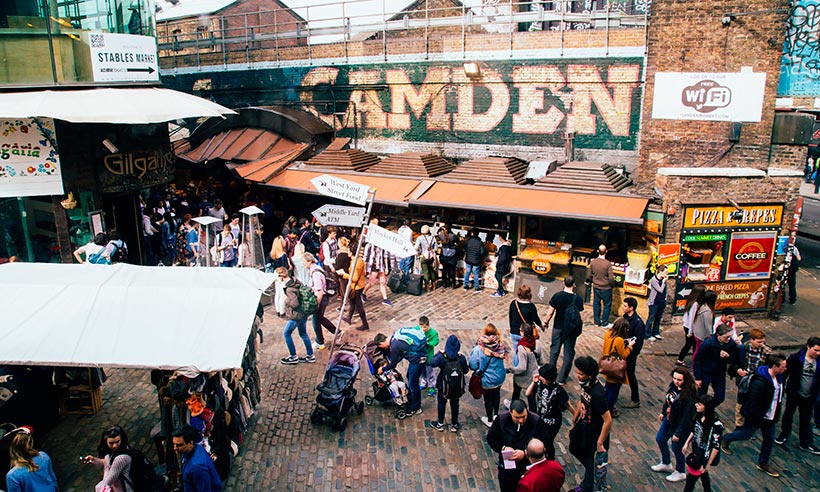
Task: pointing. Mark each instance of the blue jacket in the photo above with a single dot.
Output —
(410, 344)
(19, 479)
(494, 374)
(794, 372)
(708, 361)
(199, 473)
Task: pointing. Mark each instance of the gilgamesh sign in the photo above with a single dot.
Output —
(130, 171)
(750, 255)
(720, 216)
(734, 96)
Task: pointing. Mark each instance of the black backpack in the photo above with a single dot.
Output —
(573, 324)
(743, 386)
(453, 380)
(143, 477)
(120, 253)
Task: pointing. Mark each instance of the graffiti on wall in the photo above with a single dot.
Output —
(800, 65)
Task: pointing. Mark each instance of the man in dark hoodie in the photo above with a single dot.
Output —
(637, 330)
(802, 387)
(510, 434)
(473, 258)
(411, 344)
(452, 367)
(712, 361)
(761, 410)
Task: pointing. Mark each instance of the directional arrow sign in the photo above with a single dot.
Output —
(339, 215)
(122, 57)
(390, 241)
(341, 188)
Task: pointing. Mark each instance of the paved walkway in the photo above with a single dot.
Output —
(284, 452)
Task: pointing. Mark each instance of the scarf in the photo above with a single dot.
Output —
(528, 342)
(493, 344)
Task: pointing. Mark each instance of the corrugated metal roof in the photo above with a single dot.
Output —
(246, 144)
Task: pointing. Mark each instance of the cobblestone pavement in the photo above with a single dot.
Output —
(284, 451)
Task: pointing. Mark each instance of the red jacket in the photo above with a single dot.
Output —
(544, 476)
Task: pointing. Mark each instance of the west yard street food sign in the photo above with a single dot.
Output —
(530, 103)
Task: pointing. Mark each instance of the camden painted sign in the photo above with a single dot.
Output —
(519, 102)
(29, 165)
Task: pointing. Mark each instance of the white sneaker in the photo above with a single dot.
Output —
(658, 337)
(676, 476)
(486, 421)
(507, 403)
(607, 326)
(315, 346)
(662, 467)
(651, 339)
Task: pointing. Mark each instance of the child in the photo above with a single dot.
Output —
(377, 351)
(452, 357)
(432, 340)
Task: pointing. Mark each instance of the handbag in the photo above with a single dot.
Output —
(475, 381)
(612, 366)
(535, 333)
(695, 460)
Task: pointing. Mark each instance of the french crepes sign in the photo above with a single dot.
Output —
(29, 164)
(751, 255)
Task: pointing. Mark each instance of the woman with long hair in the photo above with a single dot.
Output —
(526, 365)
(112, 457)
(704, 321)
(521, 311)
(31, 470)
(693, 302)
(676, 419)
(488, 356)
(616, 343)
(705, 441)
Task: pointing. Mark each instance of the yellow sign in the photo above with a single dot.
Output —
(541, 267)
(719, 216)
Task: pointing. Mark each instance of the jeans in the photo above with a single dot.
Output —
(291, 325)
(653, 321)
(805, 407)
(611, 390)
(718, 386)
(691, 480)
(635, 392)
(475, 270)
(558, 340)
(601, 296)
(515, 338)
(414, 371)
(442, 404)
(319, 320)
(665, 433)
(229, 263)
(748, 430)
(406, 264)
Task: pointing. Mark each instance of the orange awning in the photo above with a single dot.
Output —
(389, 190)
(525, 200)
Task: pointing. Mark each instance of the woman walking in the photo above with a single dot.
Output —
(703, 323)
(693, 302)
(615, 343)
(226, 244)
(705, 444)
(31, 470)
(113, 458)
(522, 310)
(526, 366)
(488, 356)
(676, 419)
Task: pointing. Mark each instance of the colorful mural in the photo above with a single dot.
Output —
(800, 66)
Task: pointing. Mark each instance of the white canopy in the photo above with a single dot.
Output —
(127, 105)
(123, 315)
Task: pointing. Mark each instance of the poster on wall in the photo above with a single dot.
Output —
(740, 296)
(750, 255)
(734, 96)
(669, 255)
(29, 165)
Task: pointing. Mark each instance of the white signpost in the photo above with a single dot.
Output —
(339, 215)
(341, 188)
(123, 57)
(390, 241)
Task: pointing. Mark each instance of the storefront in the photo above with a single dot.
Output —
(729, 250)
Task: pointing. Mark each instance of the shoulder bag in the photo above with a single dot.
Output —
(535, 333)
(475, 381)
(612, 366)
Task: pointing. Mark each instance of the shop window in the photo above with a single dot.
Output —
(702, 257)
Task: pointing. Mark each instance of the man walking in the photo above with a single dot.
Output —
(562, 334)
(473, 258)
(406, 264)
(637, 330)
(601, 273)
(712, 361)
(503, 262)
(761, 409)
(802, 386)
(411, 344)
(198, 471)
(297, 320)
(543, 474)
(754, 353)
(589, 434)
(508, 436)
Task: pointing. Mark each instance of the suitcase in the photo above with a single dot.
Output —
(396, 281)
(414, 284)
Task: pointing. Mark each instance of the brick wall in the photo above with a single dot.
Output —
(689, 37)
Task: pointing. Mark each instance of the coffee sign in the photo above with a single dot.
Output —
(720, 216)
(750, 255)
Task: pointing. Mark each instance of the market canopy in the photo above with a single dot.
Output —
(124, 315)
(127, 105)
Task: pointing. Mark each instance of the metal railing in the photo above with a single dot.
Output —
(348, 22)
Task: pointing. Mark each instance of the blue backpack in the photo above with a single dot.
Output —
(415, 338)
(98, 258)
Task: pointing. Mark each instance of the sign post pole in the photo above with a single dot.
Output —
(371, 195)
(783, 275)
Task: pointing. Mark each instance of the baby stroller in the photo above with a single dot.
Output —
(383, 393)
(336, 392)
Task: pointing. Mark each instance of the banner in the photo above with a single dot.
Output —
(736, 96)
(29, 165)
(669, 255)
(740, 296)
(726, 216)
(750, 255)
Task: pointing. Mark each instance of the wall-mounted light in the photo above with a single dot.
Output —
(108, 144)
(472, 70)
